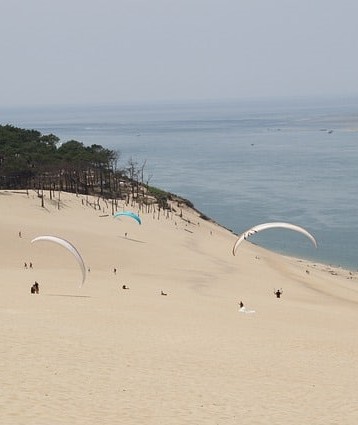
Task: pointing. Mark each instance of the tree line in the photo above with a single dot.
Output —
(31, 160)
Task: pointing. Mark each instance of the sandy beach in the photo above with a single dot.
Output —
(100, 354)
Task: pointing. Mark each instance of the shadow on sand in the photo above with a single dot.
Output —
(132, 240)
(67, 295)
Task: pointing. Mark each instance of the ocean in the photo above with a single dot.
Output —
(241, 163)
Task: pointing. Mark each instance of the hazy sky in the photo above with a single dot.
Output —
(105, 51)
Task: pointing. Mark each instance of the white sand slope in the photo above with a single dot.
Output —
(104, 355)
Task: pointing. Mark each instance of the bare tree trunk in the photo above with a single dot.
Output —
(42, 197)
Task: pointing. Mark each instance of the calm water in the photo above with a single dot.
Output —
(241, 163)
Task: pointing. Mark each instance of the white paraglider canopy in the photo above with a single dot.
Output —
(272, 225)
(68, 245)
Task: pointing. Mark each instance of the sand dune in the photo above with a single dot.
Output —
(103, 355)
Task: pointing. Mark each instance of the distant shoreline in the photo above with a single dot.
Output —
(311, 263)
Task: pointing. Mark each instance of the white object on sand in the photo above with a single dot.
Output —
(245, 310)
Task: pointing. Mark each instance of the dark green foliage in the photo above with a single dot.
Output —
(161, 196)
(24, 149)
(30, 160)
(154, 191)
(27, 156)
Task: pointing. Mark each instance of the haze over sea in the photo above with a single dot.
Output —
(241, 163)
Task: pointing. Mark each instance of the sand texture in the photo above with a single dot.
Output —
(104, 355)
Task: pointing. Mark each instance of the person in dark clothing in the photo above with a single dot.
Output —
(278, 293)
(35, 289)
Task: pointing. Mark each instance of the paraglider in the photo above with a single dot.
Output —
(69, 247)
(128, 214)
(272, 225)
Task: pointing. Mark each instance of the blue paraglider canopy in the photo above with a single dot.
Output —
(128, 214)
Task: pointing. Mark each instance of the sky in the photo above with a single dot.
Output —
(75, 52)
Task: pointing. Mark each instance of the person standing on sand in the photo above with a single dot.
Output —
(37, 288)
(278, 293)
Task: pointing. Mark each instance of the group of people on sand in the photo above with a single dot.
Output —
(35, 288)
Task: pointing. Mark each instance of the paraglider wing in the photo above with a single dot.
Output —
(272, 225)
(128, 214)
(68, 246)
